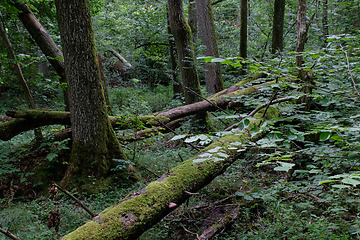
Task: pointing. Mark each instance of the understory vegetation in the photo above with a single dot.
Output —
(299, 181)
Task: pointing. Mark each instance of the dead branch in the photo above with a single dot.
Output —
(8, 234)
(76, 200)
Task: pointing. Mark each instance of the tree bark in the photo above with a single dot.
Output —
(189, 76)
(243, 32)
(132, 216)
(27, 120)
(278, 26)
(207, 35)
(301, 33)
(192, 19)
(94, 141)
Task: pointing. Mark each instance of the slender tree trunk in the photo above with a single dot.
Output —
(305, 76)
(325, 21)
(278, 26)
(213, 77)
(243, 32)
(193, 19)
(177, 87)
(20, 76)
(94, 141)
(184, 45)
(44, 41)
(301, 33)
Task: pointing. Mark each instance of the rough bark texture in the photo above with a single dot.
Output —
(213, 77)
(278, 26)
(243, 31)
(27, 120)
(184, 45)
(132, 216)
(94, 140)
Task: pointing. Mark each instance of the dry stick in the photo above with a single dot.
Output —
(348, 67)
(186, 230)
(9, 234)
(76, 200)
(285, 99)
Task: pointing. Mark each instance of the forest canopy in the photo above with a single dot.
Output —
(176, 119)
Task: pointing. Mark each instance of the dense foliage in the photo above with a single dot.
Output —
(300, 181)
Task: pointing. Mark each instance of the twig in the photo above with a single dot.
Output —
(197, 235)
(348, 67)
(9, 234)
(258, 109)
(76, 200)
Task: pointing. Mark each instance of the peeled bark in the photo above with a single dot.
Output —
(132, 216)
(213, 77)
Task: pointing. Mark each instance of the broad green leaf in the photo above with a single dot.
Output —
(192, 139)
(324, 136)
(350, 181)
(248, 197)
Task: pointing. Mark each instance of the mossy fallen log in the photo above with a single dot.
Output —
(31, 119)
(131, 217)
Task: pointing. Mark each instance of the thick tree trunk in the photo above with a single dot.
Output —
(243, 32)
(132, 216)
(94, 141)
(213, 77)
(278, 26)
(27, 120)
(189, 76)
(44, 41)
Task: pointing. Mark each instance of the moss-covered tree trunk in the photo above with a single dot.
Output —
(184, 46)
(325, 23)
(278, 26)
(94, 141)
(132, 216)
(213, 77)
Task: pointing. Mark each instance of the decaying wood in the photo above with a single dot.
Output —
(9, 234)
(76, 200)
(220, 225)
(121, 58)
(132, 216)
(29, 119)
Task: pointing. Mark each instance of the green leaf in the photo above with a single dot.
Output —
(350, 181)
(248, 197)
(324, 136)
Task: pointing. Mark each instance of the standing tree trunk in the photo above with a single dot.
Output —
(305, 76)
(192, 19)
(325, 21)
(213, 77)
(184, 45)
(278, 26)
(243, 32)
(94, 142)
(16, 67)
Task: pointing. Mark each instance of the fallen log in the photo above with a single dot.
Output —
(132, 216)
(32, 118)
